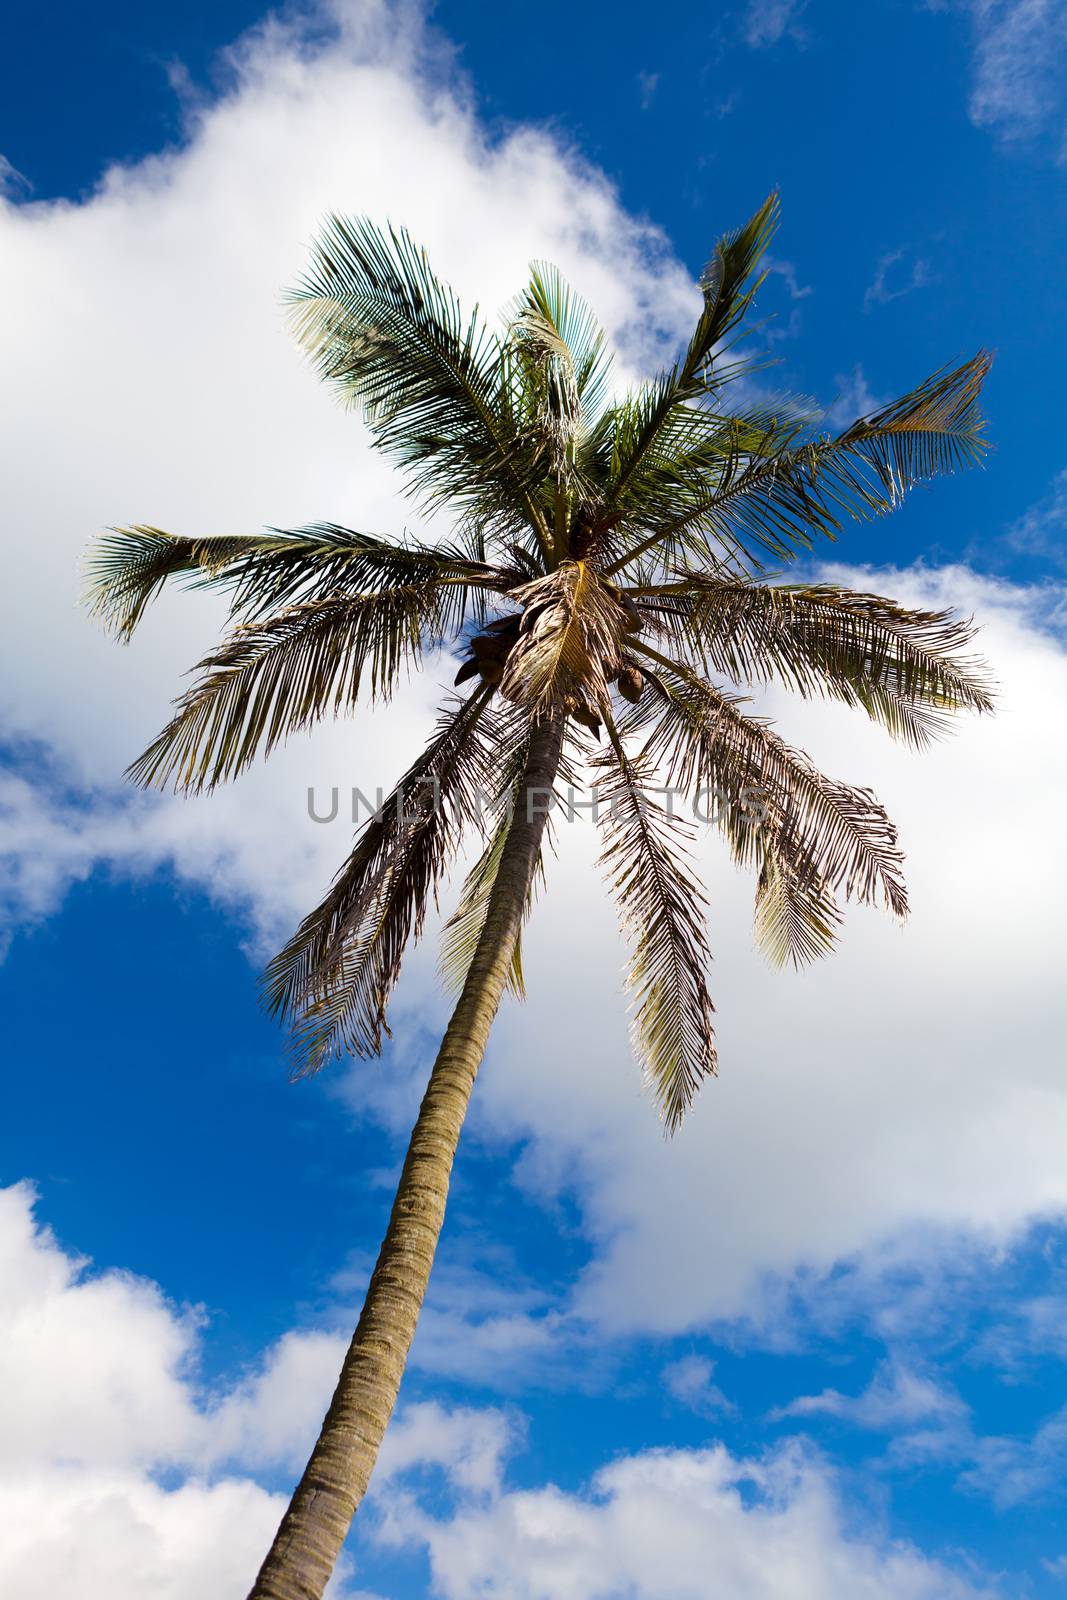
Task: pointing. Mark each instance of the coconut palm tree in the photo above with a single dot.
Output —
(605, 584)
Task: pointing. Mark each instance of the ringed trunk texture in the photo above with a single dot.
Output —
(309, 1540)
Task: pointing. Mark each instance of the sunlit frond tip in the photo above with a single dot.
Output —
(936, 428)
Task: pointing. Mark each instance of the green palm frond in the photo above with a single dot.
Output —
(260, 572)
(661, 908)
(129, 566)
(778, 500)
(560, 331)
(333, 979)
(271, 678)
(903, 666)
(393, 339)
(937, 428)
(728, 289)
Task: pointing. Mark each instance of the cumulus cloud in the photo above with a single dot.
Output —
(74, 1532)
(99, 1374)
(100, 1377)
(183, 401)
(687, 1523)
(911, 1089)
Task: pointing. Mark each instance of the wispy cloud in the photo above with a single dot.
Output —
(647, 84)
(766, 22)
(1042, 528)
(855, 398)
(788, 273)
(689, 1381)
(894, 277)
(931, 1425)
(1019, 65)
(14, 185)
(1011, 1471)
(897, 1397)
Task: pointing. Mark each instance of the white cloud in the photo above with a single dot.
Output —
(684, 1523)
(767, 21)
(897, 1397)
(105, 1368)
(106, 1533)
(1019, 66)
(12, 181)
(647, 84)
(120, 1402)
(854, 398)
(99, 1376)
(689, 1381)
(909, 1089)
(1026, 1331)
(470, 1446)
(788, 273)
(165, 383)
(888, 284)
(1011, 1470)
(1042, 528)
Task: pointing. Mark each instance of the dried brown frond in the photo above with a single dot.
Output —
(570, 642)
(332, 980)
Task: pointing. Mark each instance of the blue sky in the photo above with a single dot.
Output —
(815, 1346)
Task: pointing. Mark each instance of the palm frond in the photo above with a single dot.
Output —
(661, 908)
(779, 500)
(562, 331)
(903, 666)
(273, 677)
(936, 428)
(129, 566)
(796, 915)
(333, 979)
(759, 786)
(393, 339)
(728, 290)
(464, 927)
(570, 639)
(692, 443)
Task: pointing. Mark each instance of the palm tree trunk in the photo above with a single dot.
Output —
(307, 1544)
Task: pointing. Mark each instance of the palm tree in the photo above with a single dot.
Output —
(605, 582)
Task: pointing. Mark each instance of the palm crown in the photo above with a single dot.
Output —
(606, 568)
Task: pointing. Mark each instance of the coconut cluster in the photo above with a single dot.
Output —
(490, 650)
